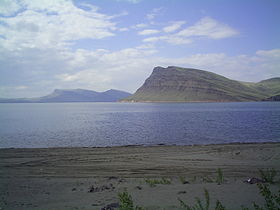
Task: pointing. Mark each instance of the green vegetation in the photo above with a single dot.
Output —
(268, 175)
(219, 206)
(183, 180)
(272, 201)
(271, 86)
(220, 177)
(194, 179)
(126, 202)
(199, 205)
(154, 182)
(186, 85)
(207, 179)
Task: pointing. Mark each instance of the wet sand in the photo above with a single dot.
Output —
(62, 178)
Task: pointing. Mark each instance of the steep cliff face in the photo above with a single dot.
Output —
(192, 85)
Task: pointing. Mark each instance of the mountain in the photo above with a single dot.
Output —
(74, 95)
(269, 86)
(176, 84)
(273, 98)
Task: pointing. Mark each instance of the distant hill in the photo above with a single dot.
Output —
(176, 84)
(269, 86)
(273, 98)
(74, 95)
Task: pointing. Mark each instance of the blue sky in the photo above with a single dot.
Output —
(104, 44)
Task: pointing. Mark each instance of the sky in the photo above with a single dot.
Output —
(115, 44)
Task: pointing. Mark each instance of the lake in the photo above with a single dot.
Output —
(114, 124)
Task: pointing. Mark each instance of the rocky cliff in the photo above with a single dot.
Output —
(175, 84)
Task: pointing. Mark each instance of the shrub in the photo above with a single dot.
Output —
(268, 175)
(272, 201)
(200, 206)
(126, 202)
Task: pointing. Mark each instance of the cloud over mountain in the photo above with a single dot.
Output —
(67, 44)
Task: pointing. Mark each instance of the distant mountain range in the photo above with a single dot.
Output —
(74, 95)
(176, 84)
(172, 84)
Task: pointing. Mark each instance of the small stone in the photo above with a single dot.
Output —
(111, 206)
(112, 177)
(139, 187)
(254, 181)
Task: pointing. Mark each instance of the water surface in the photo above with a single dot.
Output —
(115, 124)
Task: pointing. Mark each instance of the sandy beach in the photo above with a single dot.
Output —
(91, 178)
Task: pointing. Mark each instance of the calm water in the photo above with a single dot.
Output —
(111, 124)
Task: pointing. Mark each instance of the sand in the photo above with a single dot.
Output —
(91, 178)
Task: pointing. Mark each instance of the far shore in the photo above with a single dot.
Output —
(62, 178)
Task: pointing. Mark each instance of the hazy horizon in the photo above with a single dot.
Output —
(115, 44)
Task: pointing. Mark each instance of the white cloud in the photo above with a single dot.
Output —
(154, 39)
(174, 40)
(148, 32)
(174, 26)
(178, 40)
(36, 56)
(111, 69)
(8, 7)
(207, 27)
(123, 29)
(210, 28)
(252, 68)
(123, 13)
(132, 66)
(126, 69)
(155, 12)
(131, 1)
(140, 25)
(146, 46)
(22, 87)
(39, 25)
(275, 53)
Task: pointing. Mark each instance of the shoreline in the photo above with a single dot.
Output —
(91, 178)
(141, 145)
(137, 161)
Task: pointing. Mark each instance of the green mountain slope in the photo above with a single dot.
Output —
(269, 86)
(193, 85)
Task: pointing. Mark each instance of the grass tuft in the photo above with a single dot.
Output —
(183, 180)
(154, 182)
(199, 204)
(220, 177)
(126, 202)
(268, 175)
(272, 201)
(207, 179)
